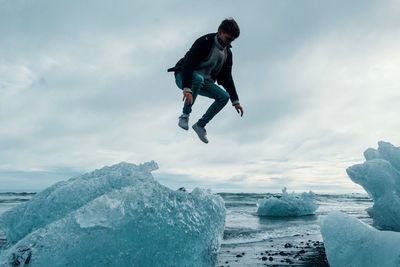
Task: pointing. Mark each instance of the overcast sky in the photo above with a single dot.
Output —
(83, 84)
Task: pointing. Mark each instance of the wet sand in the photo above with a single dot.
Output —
(299, 250)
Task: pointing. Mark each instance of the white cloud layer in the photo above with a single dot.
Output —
(84, 84)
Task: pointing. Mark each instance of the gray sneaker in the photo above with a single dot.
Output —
(184, 122)
(201, 132)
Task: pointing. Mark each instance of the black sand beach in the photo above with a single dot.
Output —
(300, 250)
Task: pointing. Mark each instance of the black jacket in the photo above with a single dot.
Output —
(199, 52)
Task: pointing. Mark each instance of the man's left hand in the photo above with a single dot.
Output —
(239, 109)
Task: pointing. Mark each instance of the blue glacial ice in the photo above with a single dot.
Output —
(350, 242)
(379, 175)
(116, 216)
(288, 205)
(58, 200)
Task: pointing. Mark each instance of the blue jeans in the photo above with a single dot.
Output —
(208, 88)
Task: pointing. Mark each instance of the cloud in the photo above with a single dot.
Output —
(32, 180)
(85, 85)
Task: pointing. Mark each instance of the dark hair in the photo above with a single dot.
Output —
(230, 26)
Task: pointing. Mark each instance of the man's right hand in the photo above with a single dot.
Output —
(188, 98)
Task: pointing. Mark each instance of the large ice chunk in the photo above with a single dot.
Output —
(58, 200)
(288, 205)
(140, 224)
(350, 242)
(380, 177)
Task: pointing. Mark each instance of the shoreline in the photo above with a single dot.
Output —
(301, 250)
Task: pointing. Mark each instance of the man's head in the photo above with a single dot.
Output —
(228, 31)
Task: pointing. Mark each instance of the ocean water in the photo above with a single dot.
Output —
(243, 225)
(251, 240)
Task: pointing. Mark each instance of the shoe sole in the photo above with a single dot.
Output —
(203, 140)
(184, 128)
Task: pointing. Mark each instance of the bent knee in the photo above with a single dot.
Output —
(224, 98)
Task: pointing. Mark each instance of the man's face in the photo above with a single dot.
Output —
(225, 38)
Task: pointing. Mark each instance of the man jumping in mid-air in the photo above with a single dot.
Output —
(207, 61)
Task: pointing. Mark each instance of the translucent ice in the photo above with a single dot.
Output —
(380, 177)
(350, 242)
(139, 224)
(287, 205)
(58, 200)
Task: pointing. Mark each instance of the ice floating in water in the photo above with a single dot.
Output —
(350, 242)
(380, 177)
(288, 205)
(116, 216)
